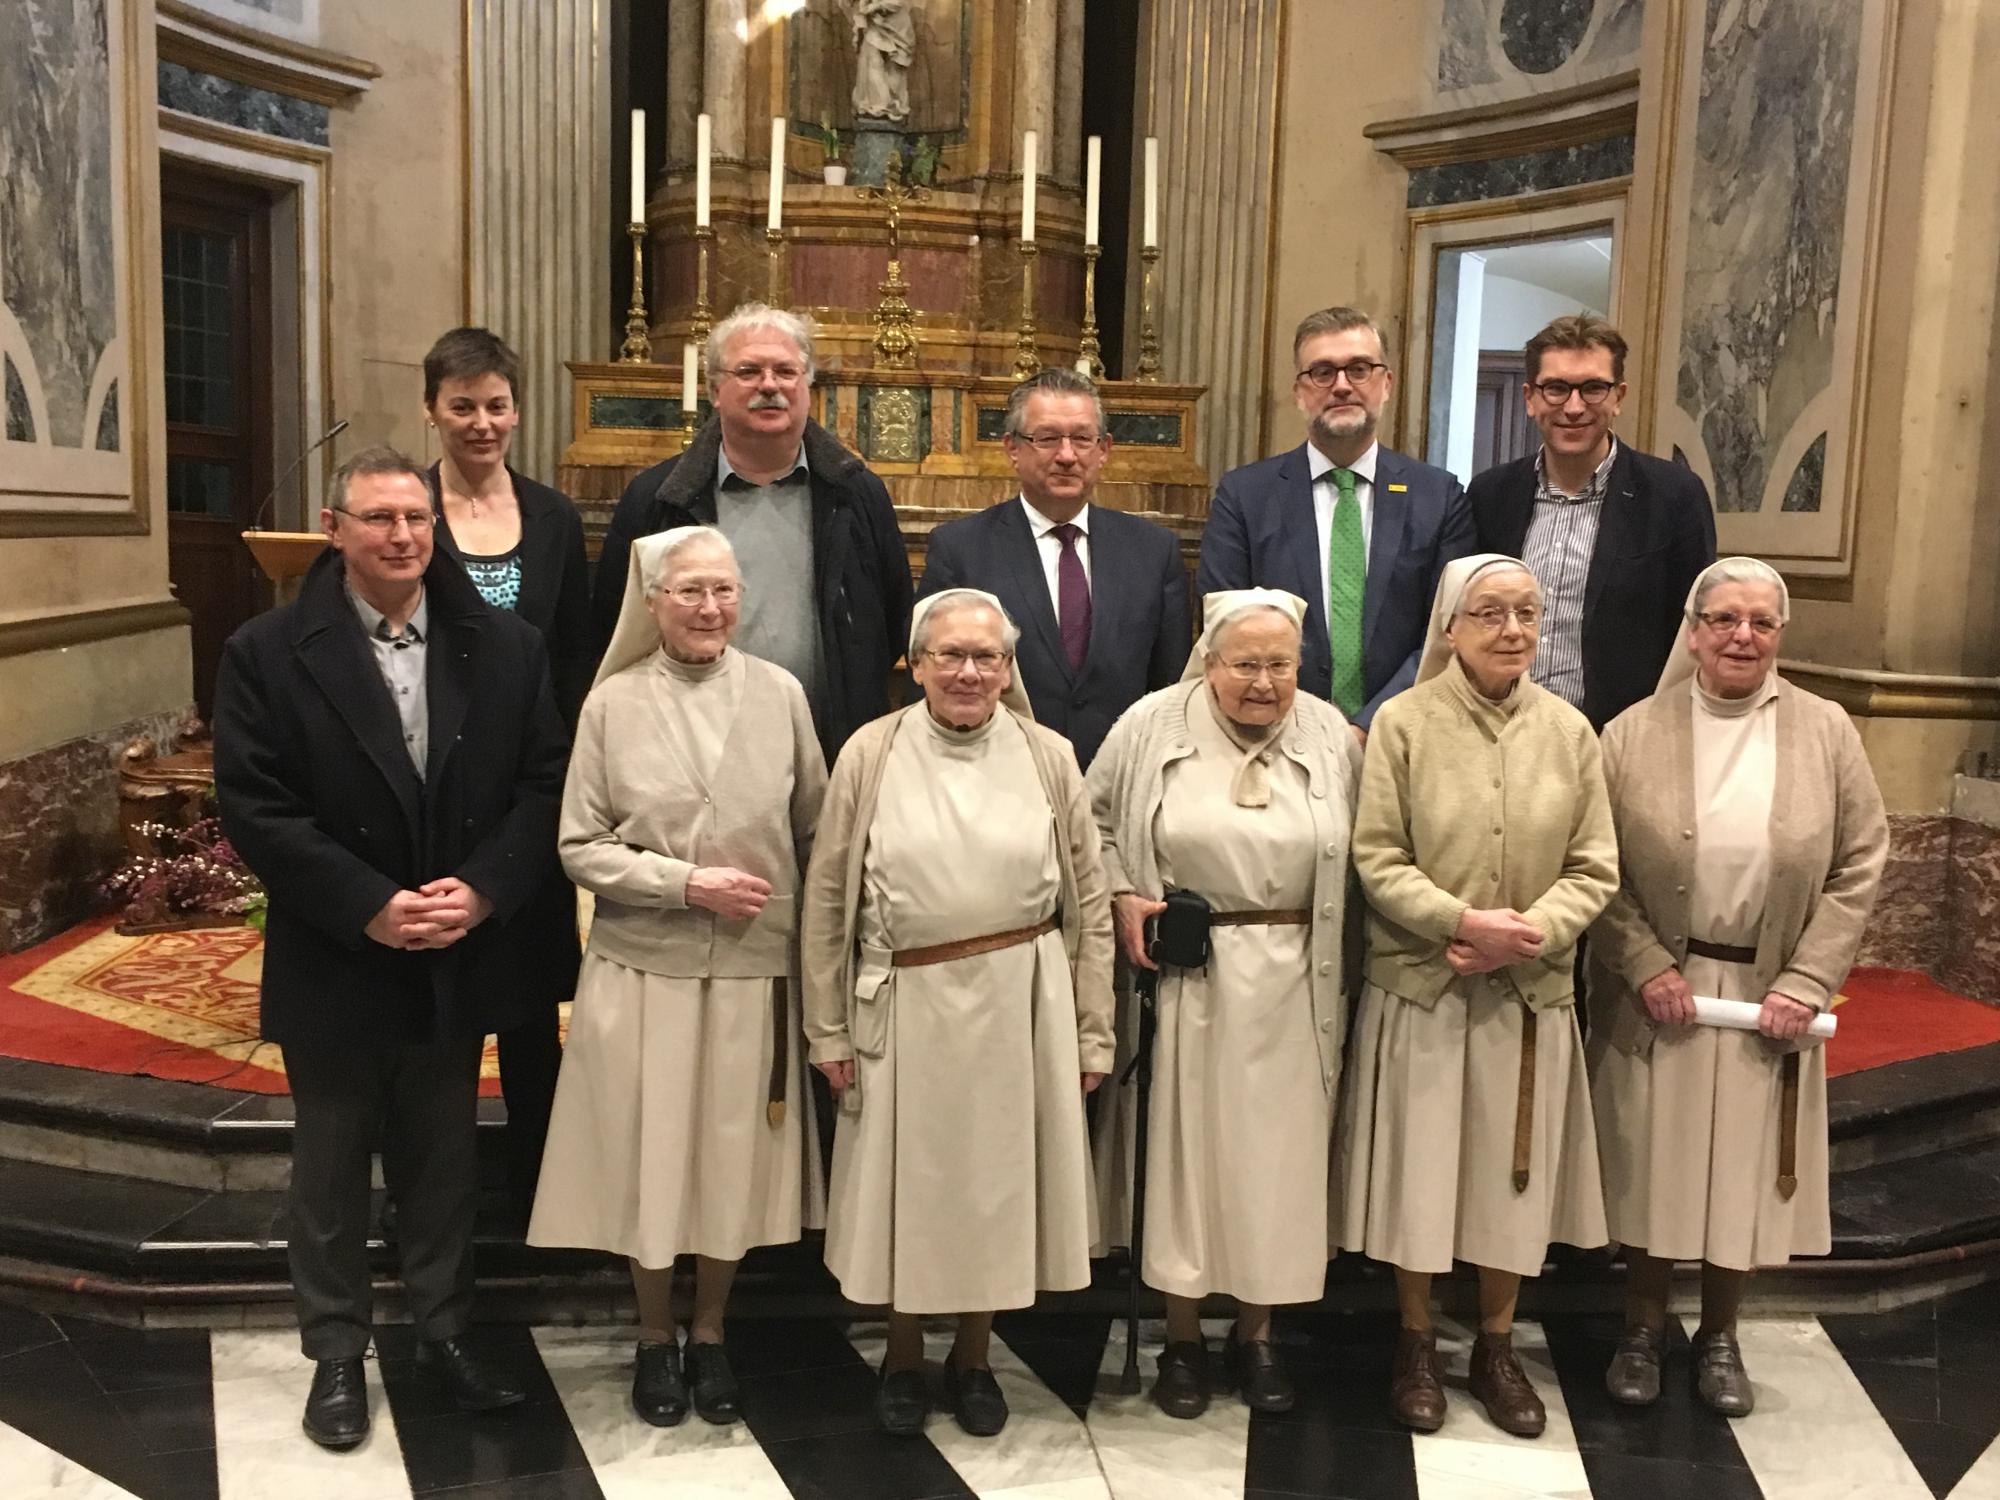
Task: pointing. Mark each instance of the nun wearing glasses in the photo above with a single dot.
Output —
(1752, 838)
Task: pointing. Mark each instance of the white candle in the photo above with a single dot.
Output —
(1083, 364)
(638, 166)
(702, 151)
(1152, 191)
(690, 396)
(1093, 164)
(776, 218)
(1028, 145)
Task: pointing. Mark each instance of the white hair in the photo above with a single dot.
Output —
(677, 541)
(1741, 570)
(951, 601)
(754, 317)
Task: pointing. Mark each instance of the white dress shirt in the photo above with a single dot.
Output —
(1326, 492)
(1049, 545)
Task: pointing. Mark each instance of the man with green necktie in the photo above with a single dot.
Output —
(1358, 531)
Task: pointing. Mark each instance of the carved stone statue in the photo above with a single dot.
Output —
(885, 34)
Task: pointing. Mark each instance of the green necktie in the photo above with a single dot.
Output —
(1346, 577)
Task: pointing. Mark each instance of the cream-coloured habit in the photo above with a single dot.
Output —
(960, 1169)
(661, 1142)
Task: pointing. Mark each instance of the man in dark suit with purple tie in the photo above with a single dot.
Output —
(1101, 597)
(1359, 532)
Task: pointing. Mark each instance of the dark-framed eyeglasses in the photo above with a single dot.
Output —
(1558, 392)
(1323, 373)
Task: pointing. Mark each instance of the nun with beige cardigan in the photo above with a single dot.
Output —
(1752, 839)
(1484, 844)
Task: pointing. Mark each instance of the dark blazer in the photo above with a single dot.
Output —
(555, 585)
(1261, 534)
(1656, 535)
(861, 570)
(1139, 632)
(318, 795)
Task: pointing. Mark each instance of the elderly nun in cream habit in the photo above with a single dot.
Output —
(957, 957)
(683, 1122)
(1484, 844)
(1752, 840)
(1233, 785)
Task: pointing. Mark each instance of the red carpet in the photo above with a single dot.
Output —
(1893, 1015)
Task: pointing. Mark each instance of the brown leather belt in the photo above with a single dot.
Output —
(1524, 1104)
(1722, 953)
(1296, 916)
(781, 1028)
(1788, 1127)
(993, 942)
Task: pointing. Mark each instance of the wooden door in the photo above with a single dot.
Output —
(216, 290)
(1501, 430)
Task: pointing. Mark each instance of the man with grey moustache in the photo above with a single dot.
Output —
(826, 580)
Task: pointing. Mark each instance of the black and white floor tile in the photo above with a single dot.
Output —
(1902, 1405)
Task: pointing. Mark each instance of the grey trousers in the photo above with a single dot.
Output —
(420, 1101)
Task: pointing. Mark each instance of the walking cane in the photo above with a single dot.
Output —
(1140, 1071)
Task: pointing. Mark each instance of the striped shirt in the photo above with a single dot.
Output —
(1562, 534)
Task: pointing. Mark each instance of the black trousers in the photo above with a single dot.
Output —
(530, 1057)
(420, 1101)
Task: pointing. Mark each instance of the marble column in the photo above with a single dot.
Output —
(1213, 67)
(539, 199)
(1034, 45)
(722, 75)
(684, 59)
(1068, 159)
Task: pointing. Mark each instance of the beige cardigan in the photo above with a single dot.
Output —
(1829, 841)
(832, 905)
(636, 824)
(1462, 806)
(1127, 781)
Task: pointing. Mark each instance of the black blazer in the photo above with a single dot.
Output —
(555, 584)
(318, 795)
(1261, 533)
(1139, 631)
(1657, 534)
(861, 570)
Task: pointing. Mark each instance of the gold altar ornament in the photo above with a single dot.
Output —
(894, 320)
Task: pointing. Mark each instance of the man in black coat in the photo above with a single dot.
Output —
(826, 581)
(1615, 537)
(389, 761)
(1101, 598)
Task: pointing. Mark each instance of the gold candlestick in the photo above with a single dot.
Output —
(774, 244)
(704, 315)
(1090, 349)
(1026, 360)
(895, 323)
(637, 348)
(1149, 337)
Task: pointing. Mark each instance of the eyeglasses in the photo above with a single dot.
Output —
(1725, 621)
(693, 595)
(384, 521)
(1358, 372)
(1281, 670)
(1494, 617)
(1052, 442)
(754, 374)
(988, 662)
(1557, 392)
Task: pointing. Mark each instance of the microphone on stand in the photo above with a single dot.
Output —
(264, 508)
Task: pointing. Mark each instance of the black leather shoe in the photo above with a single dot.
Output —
(903, 1402)
(1254, 1370)
(976, 1399)
(1719, 1377)
(337, 1409)
(659, 1395)
(458, 1370)
(1181, 1387)
(717, 1398)
(1633, 1378)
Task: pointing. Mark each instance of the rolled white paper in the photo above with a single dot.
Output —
(1741, 1015)
(776, 218)
(638, 166)
(1152, 191)
(1028, 145)
(702, 151)
(1093, 165)
(690, 396)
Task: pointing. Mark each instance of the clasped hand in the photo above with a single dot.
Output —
(1489, 940)
(1668, 1000)
(434, 915)
(734, 895)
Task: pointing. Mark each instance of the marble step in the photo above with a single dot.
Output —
(1911, 1109)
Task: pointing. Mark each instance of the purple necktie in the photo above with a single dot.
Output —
(1072, 596)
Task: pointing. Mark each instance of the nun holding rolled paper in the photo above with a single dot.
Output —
(1752, 840)
(1484, 844)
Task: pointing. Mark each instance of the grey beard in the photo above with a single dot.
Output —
(1322, 426)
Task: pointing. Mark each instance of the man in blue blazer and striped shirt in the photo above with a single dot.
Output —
(1357, 531)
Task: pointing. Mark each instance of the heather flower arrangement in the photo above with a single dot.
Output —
(193, 878)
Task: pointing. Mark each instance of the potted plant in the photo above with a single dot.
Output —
(833, 169)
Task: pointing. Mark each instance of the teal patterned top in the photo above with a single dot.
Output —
(498, 579)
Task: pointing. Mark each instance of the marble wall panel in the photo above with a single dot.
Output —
(1971, 964)
(1528, 172)
(1526, 45)
(230, 103)
(1911, 925)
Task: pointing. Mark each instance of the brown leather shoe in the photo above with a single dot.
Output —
(1633, 1378)
(1416, 1389)
(1719, 1376)
(1502, 1385)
